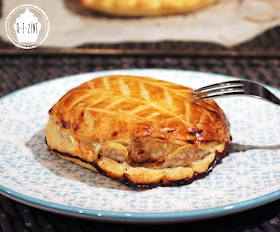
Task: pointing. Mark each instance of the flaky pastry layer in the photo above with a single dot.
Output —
(122, 168)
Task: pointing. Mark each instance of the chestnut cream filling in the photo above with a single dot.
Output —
(145, 152)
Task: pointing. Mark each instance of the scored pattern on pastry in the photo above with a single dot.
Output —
(164, 104)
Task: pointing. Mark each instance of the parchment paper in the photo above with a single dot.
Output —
(228, 22)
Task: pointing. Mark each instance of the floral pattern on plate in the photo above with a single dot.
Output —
(249, 176)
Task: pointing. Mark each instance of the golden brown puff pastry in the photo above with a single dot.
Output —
(140, 131)
(144, 7)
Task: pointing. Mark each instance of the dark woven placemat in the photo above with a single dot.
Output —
(15, 216)
(20, 71)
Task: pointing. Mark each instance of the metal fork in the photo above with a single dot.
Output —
(234, 88)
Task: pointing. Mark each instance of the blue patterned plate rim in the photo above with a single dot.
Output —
(128, 217)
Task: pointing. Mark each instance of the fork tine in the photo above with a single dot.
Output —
(218, 95)
(234, 88)
(225, 89)
(219, 85)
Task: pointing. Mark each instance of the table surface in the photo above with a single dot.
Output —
(257, 60)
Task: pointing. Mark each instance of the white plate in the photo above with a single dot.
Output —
(248, 177)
